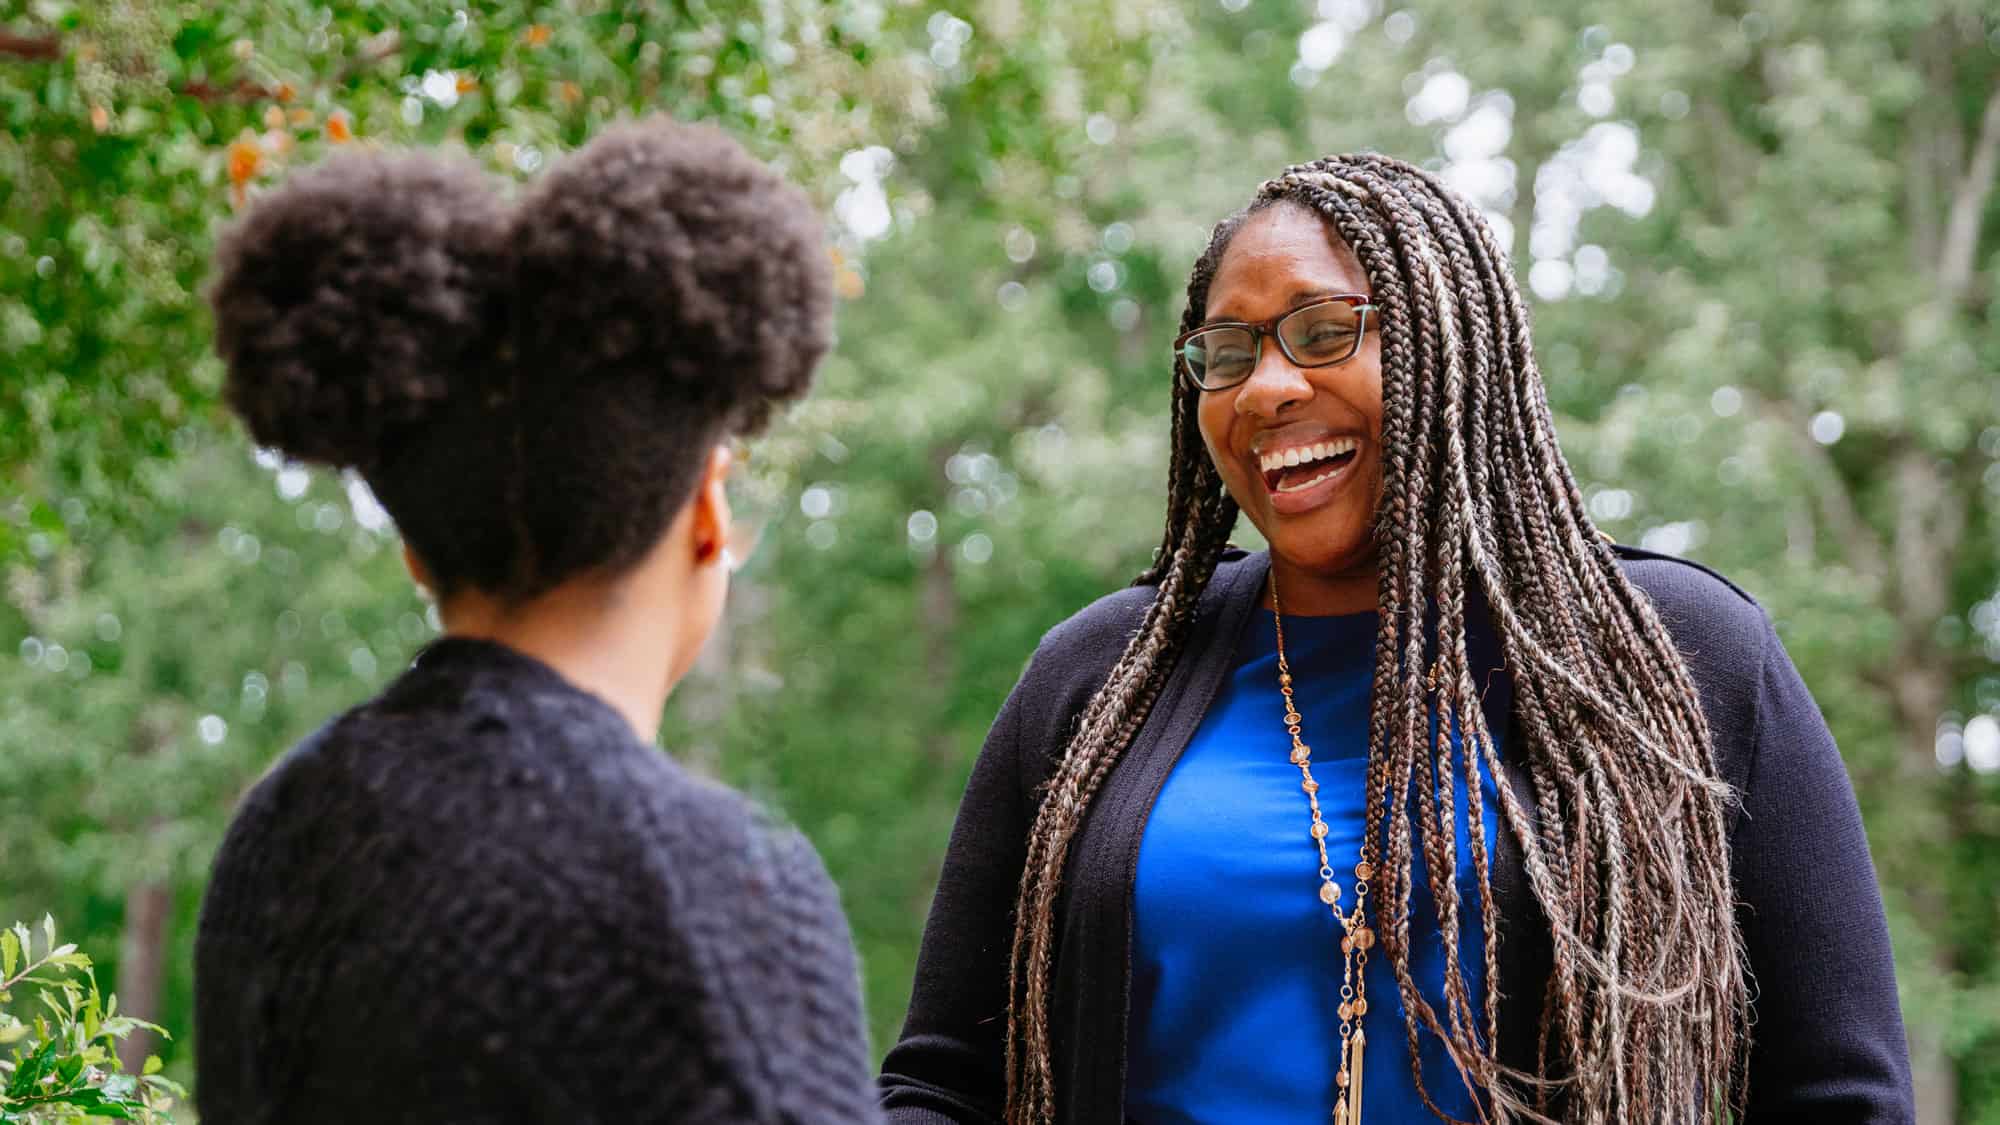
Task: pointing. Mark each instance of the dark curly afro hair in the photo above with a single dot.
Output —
(689, 261)
(349, 304)
(530, 388)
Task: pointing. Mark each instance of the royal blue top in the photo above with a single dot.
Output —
(1236, 963)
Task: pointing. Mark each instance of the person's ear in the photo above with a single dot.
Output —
(419, 573)
(711, 510)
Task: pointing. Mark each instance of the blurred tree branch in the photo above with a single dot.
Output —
(1859, 541)
(1968, 207)
(49, 47)
(22, 45)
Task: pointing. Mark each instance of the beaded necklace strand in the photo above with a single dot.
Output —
(1358, 939)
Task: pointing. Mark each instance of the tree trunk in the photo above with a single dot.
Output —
(141, 966)
(937, 614)
(1929, 526)
(1920, 693)
(1935, 1077)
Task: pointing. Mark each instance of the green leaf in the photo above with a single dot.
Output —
(152, 1065)
(49, 930)
(32, 1068)
(10, 953)
(163, 1083)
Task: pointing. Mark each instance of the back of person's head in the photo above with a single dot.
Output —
(532, 387)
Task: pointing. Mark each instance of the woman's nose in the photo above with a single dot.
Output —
(1275, 385)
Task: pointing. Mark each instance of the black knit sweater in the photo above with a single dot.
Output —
(479, 898)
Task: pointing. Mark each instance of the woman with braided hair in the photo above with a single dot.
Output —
(1445, 807)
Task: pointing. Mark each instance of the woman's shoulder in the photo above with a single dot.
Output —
(473, 775)
(1076, 655)
(1727, 642)
(1712, 620)
(1107, 624)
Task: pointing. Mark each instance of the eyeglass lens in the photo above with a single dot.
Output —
(1313, 336)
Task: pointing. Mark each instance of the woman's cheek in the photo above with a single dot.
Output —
(1212, 419)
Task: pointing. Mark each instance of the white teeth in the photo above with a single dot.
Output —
(1303, 485)
(1305, 454)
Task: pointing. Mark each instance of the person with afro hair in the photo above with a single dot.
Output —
(484, 895)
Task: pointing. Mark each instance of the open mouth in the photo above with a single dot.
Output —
(1301, 467)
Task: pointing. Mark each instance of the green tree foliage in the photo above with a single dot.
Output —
(62, 1065)
(158, 666)
(1759, 237)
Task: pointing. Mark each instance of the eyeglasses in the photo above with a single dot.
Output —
(1320, 334)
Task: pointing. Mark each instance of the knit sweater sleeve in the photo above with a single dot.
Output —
(826, 1077)
(716, 957)
(233, 966)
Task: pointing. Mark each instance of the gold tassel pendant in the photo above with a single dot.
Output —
(1354, 1075)
(1347, 1108)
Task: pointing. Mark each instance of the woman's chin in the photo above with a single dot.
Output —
(1330, 554)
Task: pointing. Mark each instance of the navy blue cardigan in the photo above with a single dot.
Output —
(1828, 1041)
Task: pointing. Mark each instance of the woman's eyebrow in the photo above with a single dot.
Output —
(1298, 297)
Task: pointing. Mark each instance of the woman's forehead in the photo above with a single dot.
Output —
(1280, 256)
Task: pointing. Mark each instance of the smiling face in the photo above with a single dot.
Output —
(1300, 449)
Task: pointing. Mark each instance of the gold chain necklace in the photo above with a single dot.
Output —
(1359, 938)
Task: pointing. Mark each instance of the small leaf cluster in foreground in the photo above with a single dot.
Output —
(62, 1058)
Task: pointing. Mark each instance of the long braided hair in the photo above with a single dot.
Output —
(1645, 1013)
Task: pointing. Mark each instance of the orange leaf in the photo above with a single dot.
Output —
(848, 283)
(467, 83)
(572, 92)
(337, 129)
(285, 92)
(244, 160)
(536, 35)
(301, 117)
(100, 119)
(274, 118)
